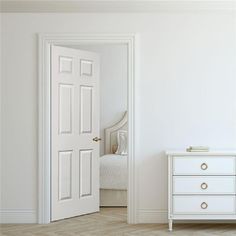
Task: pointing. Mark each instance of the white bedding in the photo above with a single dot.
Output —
(113, 172)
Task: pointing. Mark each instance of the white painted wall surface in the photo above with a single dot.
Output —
(186, 94)
(113, 84)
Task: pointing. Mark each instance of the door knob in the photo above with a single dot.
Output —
(96, 139)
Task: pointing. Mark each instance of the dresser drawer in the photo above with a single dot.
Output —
(204, 165)
(200, 205)
(204, 185)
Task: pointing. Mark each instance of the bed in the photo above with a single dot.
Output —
(113, 167)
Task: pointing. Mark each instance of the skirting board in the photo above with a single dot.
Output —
(18, 216)
(152, 216)
(160, 217)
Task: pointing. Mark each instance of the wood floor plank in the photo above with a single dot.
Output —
(112, 222)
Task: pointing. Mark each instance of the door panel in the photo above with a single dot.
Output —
(65, 174)
(75, 122)
(65, 108)
(86, 67)
(86, 109)
(65, 64)
(86, 157)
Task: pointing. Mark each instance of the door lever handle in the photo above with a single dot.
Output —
(96, 139)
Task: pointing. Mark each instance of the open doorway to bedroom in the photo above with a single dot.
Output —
(113, 124)
(89, 129)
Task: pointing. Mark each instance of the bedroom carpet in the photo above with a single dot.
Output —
(112, 221)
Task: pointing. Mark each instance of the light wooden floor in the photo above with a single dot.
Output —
(112, 221)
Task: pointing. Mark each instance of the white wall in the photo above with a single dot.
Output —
(113, 84)
(186, 94)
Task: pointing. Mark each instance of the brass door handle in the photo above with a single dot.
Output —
(96, 139)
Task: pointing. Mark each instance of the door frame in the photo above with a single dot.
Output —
(44, 113)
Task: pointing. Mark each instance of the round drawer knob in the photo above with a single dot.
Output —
(204, 186)
(204, 205)
(204, 166)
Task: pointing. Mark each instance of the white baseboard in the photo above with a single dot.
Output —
(22, 216)
(152, 216)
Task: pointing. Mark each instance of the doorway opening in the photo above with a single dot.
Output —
(113, 161)
(111, 133)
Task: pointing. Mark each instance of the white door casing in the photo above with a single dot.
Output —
(45, 41)
(74, 124)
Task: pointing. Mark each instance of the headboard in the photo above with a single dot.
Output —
(111, 134)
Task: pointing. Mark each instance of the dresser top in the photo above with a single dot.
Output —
(210, 153)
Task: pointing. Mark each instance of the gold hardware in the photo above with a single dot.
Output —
(204, 205)
(204, 186)
(204, 166)
(96, 139)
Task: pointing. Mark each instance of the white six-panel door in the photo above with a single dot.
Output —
(75, 122)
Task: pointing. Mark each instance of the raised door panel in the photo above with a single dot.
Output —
(86, 109)
(65, 64)
(65, 175)
(86, 67)
(86, 159)
(65, 108)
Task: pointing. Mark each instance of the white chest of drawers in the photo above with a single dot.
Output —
(201, 186)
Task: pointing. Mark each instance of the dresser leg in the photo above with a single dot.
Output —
(170, 225)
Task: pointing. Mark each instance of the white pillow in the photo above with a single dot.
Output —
(122, 142)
